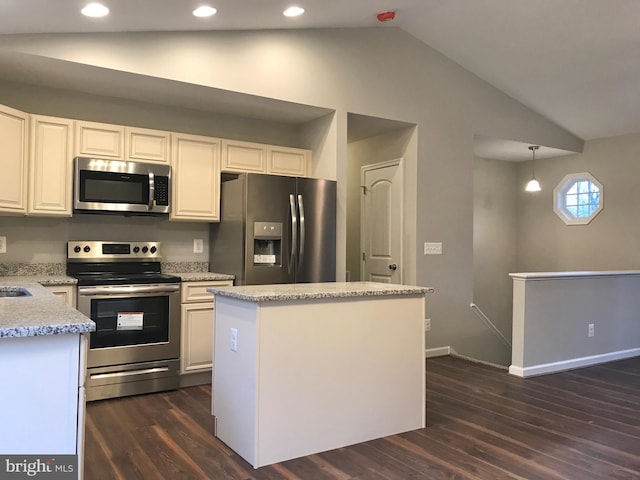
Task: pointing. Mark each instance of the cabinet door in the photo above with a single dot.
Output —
(50, 166)
(32, 368)
(289, 161)
(243, 157)
(99, 140)
(195, 163)
(196, 353)
(13, 160)
(146, 145)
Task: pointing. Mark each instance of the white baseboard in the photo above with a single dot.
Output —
(572, 364)
(437, 352)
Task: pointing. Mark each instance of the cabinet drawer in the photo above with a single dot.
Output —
(197, 291)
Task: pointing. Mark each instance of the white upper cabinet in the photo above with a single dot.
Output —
(243, 156)
(50, 166)
(13, 160)
(253, 157)
(195, 164)
(146, 145)
(99, 140)
(288, 161)
(117, 142)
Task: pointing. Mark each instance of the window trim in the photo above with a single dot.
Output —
(559, 198)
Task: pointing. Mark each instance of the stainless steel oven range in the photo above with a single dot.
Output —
(136, 346)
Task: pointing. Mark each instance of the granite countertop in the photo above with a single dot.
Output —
(306, 291)
(574, 274)
(203, 276)
(46, 280)
(42, 313)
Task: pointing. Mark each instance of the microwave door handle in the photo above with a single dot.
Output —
(152, 190)
(294, 231)
(302, 231)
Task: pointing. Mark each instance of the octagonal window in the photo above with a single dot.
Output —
(578, 198)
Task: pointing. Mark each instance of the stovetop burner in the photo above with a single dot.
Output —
(116, 263)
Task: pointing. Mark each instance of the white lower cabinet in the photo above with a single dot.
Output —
(196, 350)
(42, 402)
(67, 293)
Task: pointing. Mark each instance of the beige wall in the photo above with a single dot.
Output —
(495, 243)
(342, 70)
(612, 240)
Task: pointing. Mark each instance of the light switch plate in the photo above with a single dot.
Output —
(198, 245)
(3, 244)
(433, 248)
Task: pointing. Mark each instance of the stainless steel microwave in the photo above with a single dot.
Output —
(113, 186)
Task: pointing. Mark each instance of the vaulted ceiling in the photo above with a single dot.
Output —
(575, 62)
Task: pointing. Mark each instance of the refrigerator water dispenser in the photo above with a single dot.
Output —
(267, 243)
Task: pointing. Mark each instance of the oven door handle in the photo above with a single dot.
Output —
(128, 289)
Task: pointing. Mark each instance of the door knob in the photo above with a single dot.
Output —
(393, 266)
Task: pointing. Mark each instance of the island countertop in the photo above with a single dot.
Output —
(573, 274)
(41, 313)
(308, 291)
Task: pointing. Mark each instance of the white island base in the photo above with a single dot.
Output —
(299, 373)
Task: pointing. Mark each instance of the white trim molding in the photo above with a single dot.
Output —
(572, 363)
(437, 352)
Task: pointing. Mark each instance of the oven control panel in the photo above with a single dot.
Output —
(82, 251)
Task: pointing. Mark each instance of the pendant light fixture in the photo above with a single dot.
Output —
(533, 185)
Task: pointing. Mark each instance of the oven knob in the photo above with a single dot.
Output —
(87, 249)
(153, 249)
(145, 249)
(136, 249)
(77, 249)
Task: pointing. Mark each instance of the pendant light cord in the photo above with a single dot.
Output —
(533, 149)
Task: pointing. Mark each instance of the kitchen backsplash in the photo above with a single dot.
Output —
(27, 269)
(37, 240)
(60, 269)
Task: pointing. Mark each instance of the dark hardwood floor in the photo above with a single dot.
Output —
(481, 424)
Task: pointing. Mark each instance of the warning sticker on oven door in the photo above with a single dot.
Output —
(130, 320)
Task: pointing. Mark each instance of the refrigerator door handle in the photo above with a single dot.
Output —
(302, 231)
(294, 230)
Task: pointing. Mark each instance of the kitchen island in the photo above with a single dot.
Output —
(43, 356)
(304, 368)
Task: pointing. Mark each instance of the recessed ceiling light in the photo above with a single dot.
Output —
(204, 11)
(293, 11)
(95, 10)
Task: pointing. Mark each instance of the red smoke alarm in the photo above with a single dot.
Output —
(386, 16)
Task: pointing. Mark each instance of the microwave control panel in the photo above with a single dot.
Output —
(162, 191)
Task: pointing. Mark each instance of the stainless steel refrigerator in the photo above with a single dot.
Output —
(275, 229)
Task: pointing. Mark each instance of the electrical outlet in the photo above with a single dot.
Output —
(433, 248)
(427, 324)
(3, 244)
(591, 330)
(198, 245)
(234, 339)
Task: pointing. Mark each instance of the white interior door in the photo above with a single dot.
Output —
(381, 222)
